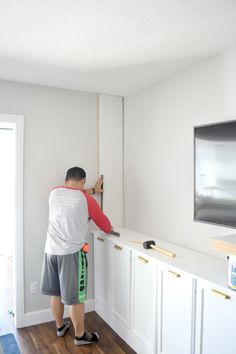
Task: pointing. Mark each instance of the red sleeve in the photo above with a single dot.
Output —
(97, 215)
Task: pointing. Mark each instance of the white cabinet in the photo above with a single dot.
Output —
(162, 305)
(120, 283)
(216, 320)
(143, 303)
(112, 283)
(101, 271)
(176, 312)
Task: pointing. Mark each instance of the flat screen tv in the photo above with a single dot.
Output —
(215, 173)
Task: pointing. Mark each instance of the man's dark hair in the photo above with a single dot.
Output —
(75, 173)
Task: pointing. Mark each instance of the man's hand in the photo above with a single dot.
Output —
(96, 189)
(98, 186)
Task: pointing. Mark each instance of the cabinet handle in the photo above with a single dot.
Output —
(118, 248)
(143, 259)
(220, 294)
(177, 275)
(100, 239)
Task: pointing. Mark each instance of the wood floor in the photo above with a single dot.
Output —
(42, 339)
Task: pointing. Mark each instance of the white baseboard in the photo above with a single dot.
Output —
(38, 317)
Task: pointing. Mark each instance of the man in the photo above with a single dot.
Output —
(64, 275)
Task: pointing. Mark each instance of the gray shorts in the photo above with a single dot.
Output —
(65, 276)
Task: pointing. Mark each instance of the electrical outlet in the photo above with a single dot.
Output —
(34, 287)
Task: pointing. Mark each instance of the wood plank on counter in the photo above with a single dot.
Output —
(225, 244)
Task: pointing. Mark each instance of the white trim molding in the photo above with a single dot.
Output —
(18, 122)
(43, 316)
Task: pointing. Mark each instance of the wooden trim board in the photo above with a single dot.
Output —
(225, 244)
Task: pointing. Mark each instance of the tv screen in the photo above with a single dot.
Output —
(215, 173)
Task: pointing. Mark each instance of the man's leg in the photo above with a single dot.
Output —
(77, 318)
(58, 310)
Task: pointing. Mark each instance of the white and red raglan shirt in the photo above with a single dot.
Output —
(70, 210)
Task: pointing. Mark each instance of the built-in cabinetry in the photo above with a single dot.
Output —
(112, 283)
(101, 270)
(120, 283)
(216, 320)
(176, 311)
(143, 303)
(162, 305)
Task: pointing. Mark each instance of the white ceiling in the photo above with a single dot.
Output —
(110, 46)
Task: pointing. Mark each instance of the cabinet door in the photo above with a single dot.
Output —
(216, 320)
(176, 313)
(143, 302)
(101, 276)
(120, 283)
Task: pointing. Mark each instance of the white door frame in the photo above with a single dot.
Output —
(18, 270)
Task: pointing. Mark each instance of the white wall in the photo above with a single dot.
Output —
(61, 131)
(159, 150)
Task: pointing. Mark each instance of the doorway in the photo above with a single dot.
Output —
(11, 223)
